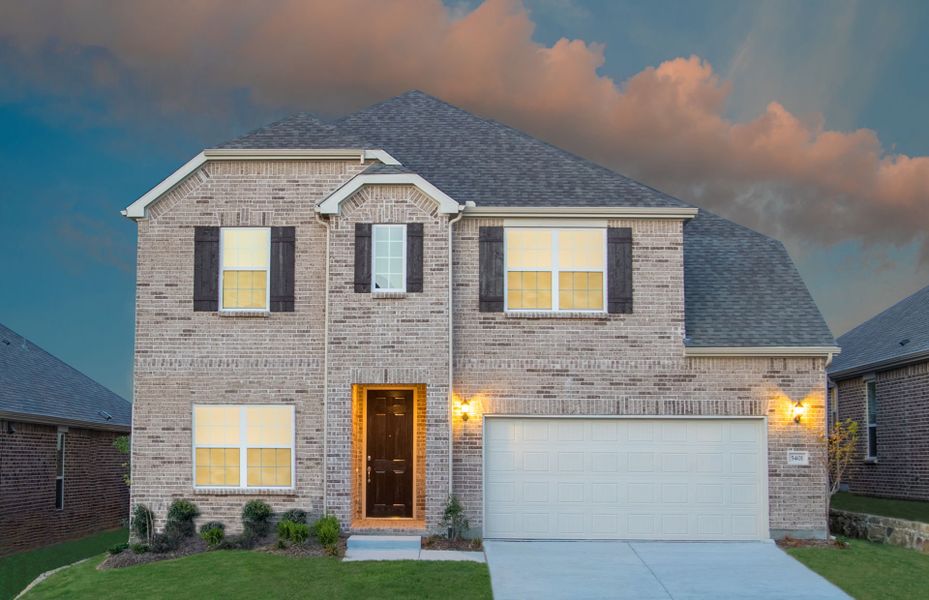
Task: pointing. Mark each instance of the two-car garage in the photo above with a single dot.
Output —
(625, 478)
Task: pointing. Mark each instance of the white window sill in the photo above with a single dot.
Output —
(387, 295)
(253, 314)
(233, 491)
(550, 314)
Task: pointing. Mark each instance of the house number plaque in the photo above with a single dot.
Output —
(798, 458)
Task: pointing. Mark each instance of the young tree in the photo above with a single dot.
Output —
(841, 446)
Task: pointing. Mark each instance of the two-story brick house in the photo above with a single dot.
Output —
(363, 316)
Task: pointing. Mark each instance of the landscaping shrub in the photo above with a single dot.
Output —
(327, 530)
(181, 515)
(117, 548)
(256, 517)
(213, 533)
(165, 542)
(453, 519)
(139, 548)
(293, 532)
(143, 522)
(296, 515)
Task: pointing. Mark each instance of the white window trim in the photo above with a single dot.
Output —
(867, 417)
(60, 439)
(555, 270)
(267, 306)
(402, 227)
(243, 449)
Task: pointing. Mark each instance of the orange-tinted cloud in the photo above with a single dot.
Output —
(665, 125)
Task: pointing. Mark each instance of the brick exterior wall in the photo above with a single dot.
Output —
(95, 496)
(576, 364)
(902, 466)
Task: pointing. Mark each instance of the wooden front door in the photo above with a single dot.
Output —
(389, 457)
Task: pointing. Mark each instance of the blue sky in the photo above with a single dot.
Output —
(90, 121)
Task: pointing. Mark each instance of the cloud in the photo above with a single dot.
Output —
(666, 125)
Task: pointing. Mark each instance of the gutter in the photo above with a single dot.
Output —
(325, 375)
(586, 212)
(451, 346)
(883, 365)
(772, 351)
(52, 420)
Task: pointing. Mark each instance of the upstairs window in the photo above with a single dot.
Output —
(245, 258)
(555, 269)
(244, 446)
(60, 471)
(388, 257)
(872, 419)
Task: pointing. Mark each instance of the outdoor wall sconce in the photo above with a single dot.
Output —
(797, 411)
(465, 410)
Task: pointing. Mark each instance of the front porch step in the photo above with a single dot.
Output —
(385, 543)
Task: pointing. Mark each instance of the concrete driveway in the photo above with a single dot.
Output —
(651, 570)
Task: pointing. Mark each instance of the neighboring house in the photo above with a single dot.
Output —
(60, 476)
(881, 380)
(363, 316)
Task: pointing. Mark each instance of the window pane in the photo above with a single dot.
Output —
(269, 426)
(872, 441)
(872, 403)
(245, 289)
(216, 426)
(528, 249)
(217, 466)
(580, 290)
(529, 290)
(246, 248)
(60, 455)
(581, 249)
(268, 467)
(388, 257)
(59, 494)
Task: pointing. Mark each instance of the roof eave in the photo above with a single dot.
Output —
(762, 351)
(881, 365)
(330, 205)
(625, 212)
(55, 420)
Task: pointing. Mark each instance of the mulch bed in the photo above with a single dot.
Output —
(311, 547)
(436, 542)
(789, 542)
(128, 558)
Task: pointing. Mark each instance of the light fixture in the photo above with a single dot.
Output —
(465, 409)
(797, 411)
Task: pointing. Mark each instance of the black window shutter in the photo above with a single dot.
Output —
(619, 269)
(491, 269)
(414, 257)
(362, 257)
(206, 268)
(283, 247)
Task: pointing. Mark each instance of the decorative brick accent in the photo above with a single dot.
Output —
(96, 497)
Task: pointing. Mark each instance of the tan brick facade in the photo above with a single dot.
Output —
(533, 364)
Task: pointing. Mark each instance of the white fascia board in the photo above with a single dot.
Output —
(136, 210)
(330, 205)
(583, 212)
(773, 351)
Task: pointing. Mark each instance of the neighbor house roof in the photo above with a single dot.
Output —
(898, 335)
(741, 288)
(36, 386)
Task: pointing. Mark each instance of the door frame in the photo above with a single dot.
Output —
(766, 494)
(364, 447)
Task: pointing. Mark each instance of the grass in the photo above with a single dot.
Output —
(870, 571)
(900, 509)
(244, 574)
(18, 570)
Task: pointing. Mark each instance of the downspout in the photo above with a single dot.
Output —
(325, 375)
(451, 355)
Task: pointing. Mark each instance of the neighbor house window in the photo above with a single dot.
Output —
(555, 269)
(60, 471)
(833, 405)
(388, 272)
(245, 258)
(244, 446)
(872, 419)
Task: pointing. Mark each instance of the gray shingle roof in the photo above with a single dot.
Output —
(33, 382)
(877, 341)
(741, 287)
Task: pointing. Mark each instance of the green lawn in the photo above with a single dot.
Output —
(18, 570)
(242, 574)
(870, 571)
(901, 509)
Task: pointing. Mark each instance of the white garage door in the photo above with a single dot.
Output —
(615, 478)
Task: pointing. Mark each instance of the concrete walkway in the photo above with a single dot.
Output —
(651, 570)
(400, 547)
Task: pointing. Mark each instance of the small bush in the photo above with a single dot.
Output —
(182, 511)
(213, 533)
(165, 542)
(139, 548)
(244, 541)
(327, 530)
(296, 515)
(256, 516)
(293, 532)
(454, 519)
(117, 548)
(143, 522)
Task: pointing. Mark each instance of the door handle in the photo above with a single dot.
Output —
(369, 473)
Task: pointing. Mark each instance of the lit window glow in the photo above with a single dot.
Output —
(246, 256)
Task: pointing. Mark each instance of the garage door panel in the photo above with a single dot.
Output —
(551, 478)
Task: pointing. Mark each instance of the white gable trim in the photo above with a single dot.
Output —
(330, 205)
(136, 210)
(770, 351)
